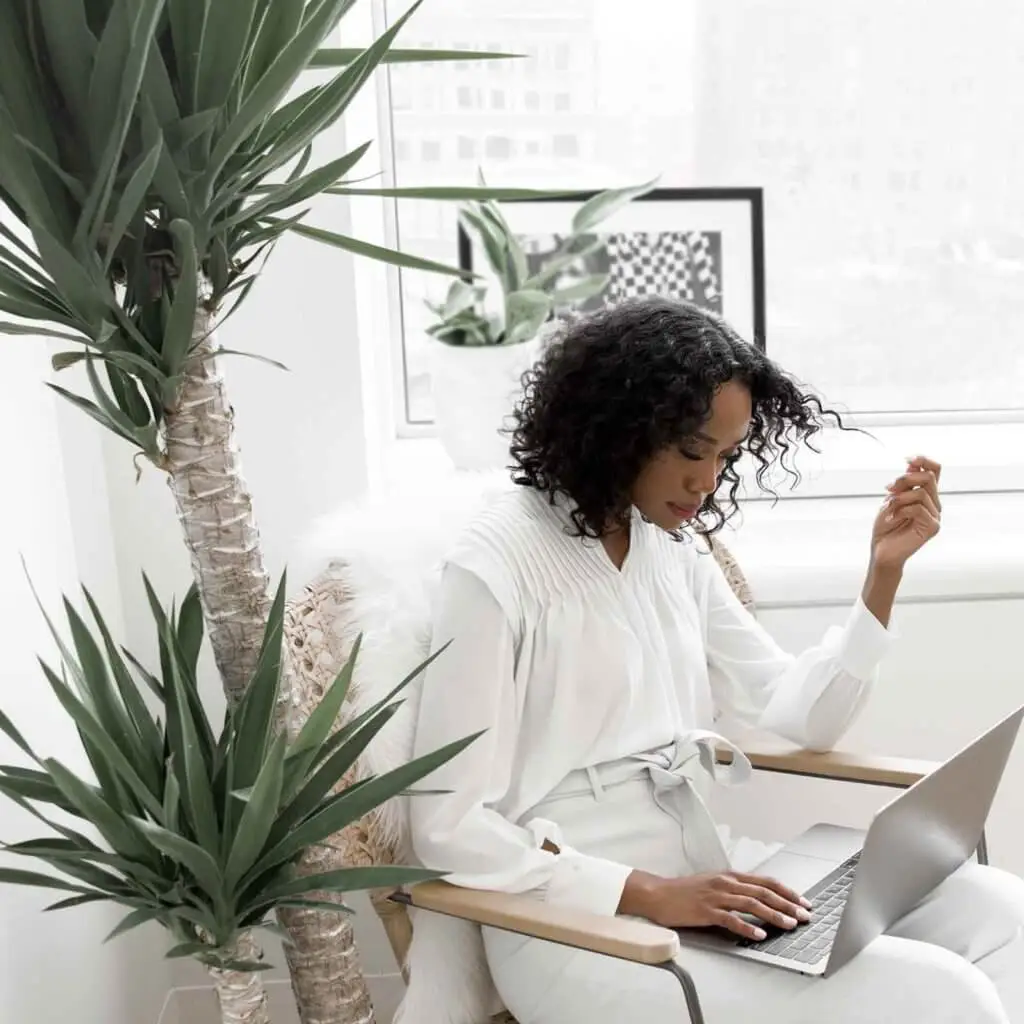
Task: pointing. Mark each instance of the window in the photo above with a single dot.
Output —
(895, 256)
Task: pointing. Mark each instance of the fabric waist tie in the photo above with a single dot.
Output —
(674, 792)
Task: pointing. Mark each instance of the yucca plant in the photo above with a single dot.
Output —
(528, 297)
(153, 153)
(197, 831)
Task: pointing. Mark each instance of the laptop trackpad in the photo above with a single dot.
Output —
(811, 856)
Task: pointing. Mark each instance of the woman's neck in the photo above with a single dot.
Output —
(616, 543)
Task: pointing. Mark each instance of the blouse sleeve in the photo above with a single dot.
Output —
(469, 688)
(810, 699)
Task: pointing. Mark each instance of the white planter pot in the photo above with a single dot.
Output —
(475, 390)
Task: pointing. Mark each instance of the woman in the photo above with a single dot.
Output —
(595, 643)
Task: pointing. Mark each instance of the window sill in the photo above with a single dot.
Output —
(798, 552)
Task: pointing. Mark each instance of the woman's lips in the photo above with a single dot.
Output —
(683, 511)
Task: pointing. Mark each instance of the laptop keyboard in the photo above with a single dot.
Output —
(811, 942)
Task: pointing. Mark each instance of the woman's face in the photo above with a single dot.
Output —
(673, 486)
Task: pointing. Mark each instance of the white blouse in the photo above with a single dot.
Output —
(566, 662)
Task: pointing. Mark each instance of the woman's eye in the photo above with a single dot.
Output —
(692, 456)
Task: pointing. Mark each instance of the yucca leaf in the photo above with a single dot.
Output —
(184, 949)
(137, 917)
(342, 736)
(323, 717)
(150, 745)
(226, 31)
(104, 743)
(116, 106)
(604, 204)
(90, 409)
(259, 816)
(328, 57)
(376, 252)
(131, 200)
(297, 191)
(328, 103)
(178, 331)
(192, 856)
(354, 803)
(172, 801)
(280, 22)
(32, 330)
(190, 628)
(381, 876)
(255, 712)
(72, 47)
(272, 87)
(93, 806)
(8, 728)
(79, 289)
(333, 769)
(461, 193)
(196, 790)
(32, 785)
(16, 876)
(78, 901)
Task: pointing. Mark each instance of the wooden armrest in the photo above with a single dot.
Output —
(841, 765)
(620, 937)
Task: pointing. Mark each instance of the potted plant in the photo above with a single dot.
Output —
(199, 832)
(487, 342)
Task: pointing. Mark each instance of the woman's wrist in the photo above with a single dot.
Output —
(880, 587)
(641, 895)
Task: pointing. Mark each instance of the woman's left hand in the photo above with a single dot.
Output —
(910, 517)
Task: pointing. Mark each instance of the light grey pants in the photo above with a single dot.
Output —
(958, 958)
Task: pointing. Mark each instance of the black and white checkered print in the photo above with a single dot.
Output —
(666, 263)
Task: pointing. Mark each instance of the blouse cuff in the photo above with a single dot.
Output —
(582, 882)
(863, 643)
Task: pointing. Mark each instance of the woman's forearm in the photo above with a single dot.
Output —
(879, 591)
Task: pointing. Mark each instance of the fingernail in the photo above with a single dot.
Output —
(803, 915)
(788, 922)
(806, 902)
(760, 933)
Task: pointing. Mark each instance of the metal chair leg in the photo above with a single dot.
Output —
(689, 990)
(982, 851)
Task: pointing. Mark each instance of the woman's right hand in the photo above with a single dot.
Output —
(699, 901)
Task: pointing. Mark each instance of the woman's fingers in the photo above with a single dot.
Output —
(923, 462)
(905, 499)
(737, 925)
(925, 480)
(747, 902)
(791, 895)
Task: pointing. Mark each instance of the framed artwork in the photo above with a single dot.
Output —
(703, 245)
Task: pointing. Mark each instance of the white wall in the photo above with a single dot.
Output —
(54, 966)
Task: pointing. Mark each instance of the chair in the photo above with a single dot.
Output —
(319, 649)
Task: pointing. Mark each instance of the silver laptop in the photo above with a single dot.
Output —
(861, 884)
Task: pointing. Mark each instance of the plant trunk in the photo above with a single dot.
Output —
(241, 994)
(216, 514)
(215, 509)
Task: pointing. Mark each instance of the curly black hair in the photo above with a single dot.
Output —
(617, 387)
